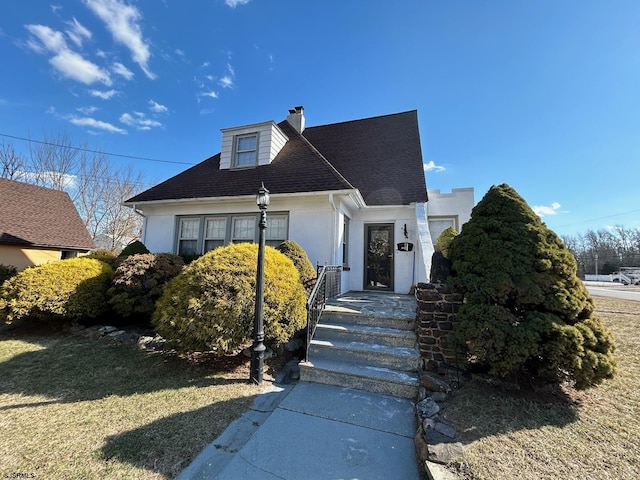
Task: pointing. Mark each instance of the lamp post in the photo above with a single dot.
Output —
(258, 348)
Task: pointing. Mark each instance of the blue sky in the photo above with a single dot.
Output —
(542, 95)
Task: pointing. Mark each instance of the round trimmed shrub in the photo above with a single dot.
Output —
(444, 241)
(211, 304)
(526, 314)
(298, 256)
(72, 289)
(138, 283)
(133, 248)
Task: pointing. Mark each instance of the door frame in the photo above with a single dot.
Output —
(391, 257)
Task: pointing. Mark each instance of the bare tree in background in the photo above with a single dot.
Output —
(605, 250)
(96, 187)
(12, 164)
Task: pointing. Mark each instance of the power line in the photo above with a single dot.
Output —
(600, 218)
(95, 151)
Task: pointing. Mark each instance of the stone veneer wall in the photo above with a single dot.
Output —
(435, 321)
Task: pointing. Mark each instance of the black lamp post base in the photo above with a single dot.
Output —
(257, 363)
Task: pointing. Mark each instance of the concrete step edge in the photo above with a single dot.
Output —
(366, 348)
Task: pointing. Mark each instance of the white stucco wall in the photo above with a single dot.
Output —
(457, 203)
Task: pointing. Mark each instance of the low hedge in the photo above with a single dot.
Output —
(72, 289)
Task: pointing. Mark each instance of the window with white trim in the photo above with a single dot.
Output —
(215, 232)
(276, 231)
(246, 150)
(440, 224)
(197, 235)
(345, 242)
(243, 229)
(188, 233)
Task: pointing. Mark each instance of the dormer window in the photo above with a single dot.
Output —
(246, 153)
(251, 145)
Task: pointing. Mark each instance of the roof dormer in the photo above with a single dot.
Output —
(251, 145)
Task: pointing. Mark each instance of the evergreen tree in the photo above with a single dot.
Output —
(526, 313)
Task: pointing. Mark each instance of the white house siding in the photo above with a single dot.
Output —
(408, 266)
(316, 223)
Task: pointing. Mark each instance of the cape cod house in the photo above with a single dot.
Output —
(351, 194)
(38, 225)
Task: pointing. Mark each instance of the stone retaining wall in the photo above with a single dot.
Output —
(435, 321)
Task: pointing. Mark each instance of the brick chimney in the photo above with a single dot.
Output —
(296, 118)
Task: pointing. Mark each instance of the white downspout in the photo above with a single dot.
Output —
(144, 224)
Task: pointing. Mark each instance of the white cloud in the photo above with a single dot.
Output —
(93, 123)
(139, 121)
(235, 3)
(103, 94)
(87, 110)
(50, 39)
(542, 210)
(72, 65)
(156, 107)
(226, 82)
(77, 32)
(50, 178)
(432, 167)
(67, 62)
(179, 52)
(121, 70)
(210, 94)
(122, 21)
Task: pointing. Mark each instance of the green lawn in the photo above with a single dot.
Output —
(568, 435)
(76, 408)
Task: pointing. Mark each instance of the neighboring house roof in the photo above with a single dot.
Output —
(379, 156)
(39, 216)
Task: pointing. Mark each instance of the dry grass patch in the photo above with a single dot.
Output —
(563, 434)
(77, 408)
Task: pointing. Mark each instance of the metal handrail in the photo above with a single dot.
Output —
(327, 285)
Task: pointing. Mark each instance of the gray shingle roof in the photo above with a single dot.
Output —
(39, 216)
(380, 156)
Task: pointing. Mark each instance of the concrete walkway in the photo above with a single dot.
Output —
(313, 431)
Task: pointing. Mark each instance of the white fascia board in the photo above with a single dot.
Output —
(354, 194)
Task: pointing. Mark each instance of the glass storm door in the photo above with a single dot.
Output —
(378, 273)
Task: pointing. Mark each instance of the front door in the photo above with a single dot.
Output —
(378, 262)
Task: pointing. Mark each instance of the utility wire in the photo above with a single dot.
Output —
(95, 151)
(600, 218)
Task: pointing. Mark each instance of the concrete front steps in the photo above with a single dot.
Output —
(367, 343)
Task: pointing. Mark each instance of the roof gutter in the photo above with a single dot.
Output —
(354, 194)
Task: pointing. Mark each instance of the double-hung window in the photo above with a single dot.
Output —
(215, 232)
(243, 229)
(200, 234)
(276, 231)
(188, 234)
(246, 153)
(345, 241)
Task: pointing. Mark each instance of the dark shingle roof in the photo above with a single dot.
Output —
(39, 216)
(380, 156)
